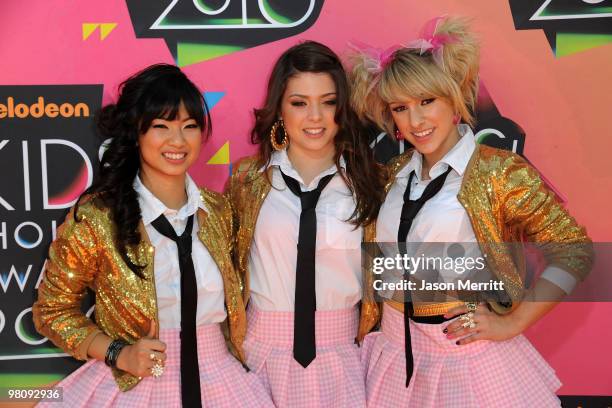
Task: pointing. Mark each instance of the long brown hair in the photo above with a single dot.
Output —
(363, 175)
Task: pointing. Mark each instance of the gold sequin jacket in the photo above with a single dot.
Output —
(246, 190)
(507, 202)
(84, 256)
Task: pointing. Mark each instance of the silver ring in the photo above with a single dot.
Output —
(468, 320)
(157, 370)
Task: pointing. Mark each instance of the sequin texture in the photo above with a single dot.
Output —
(246, 190)
(84, 256)
(508, 203)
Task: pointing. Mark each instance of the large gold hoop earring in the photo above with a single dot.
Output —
(285, 142)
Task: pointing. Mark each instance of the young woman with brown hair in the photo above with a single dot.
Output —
(300, 206)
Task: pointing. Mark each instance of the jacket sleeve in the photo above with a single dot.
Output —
(370, 312)
(230, 222)
(69, 270)
(234, 193)
(532, 208)
(229, 194)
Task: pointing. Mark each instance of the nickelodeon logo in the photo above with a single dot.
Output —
(40, 109)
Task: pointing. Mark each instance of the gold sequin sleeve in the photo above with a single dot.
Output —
(246, 191)
(370, 311)
(228, 194)
(216, 234)
(69, 270)
(530, 207)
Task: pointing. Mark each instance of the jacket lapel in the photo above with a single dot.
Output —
(144, 254)
(255, 191)
(395, 167)
(218, 243)
(213, 239)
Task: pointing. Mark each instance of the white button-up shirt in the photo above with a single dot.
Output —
(211, 300)
(442, 218)
(273, 255)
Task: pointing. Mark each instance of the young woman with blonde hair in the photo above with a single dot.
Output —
(448, 189)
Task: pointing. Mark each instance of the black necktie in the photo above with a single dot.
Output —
(190, 373)
(304, 348)
(410, 209)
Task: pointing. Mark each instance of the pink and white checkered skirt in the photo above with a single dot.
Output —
(224, 382)
(334, 378)
(508, 373)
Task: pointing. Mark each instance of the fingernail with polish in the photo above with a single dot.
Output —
(457, 342)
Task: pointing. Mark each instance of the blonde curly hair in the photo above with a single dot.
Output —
(413, 74)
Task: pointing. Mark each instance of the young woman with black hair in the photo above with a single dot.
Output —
(155, 249)
(299, 207)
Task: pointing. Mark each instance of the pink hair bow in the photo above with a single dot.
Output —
(430, 41)
(376, 59)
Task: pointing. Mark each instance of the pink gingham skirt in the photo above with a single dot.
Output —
(224, 382)
(333, 379)
(508, 373)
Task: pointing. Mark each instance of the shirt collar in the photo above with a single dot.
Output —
(414, 164)
(151, 207)
(457, 157)
(280, 159)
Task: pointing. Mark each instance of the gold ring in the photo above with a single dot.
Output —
(157, 370)
(471, 306)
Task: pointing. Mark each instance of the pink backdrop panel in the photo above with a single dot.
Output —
(562, 103)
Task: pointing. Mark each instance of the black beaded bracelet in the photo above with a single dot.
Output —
(112, 352)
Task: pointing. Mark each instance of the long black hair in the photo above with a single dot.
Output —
(364, 177)
(155, 92)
